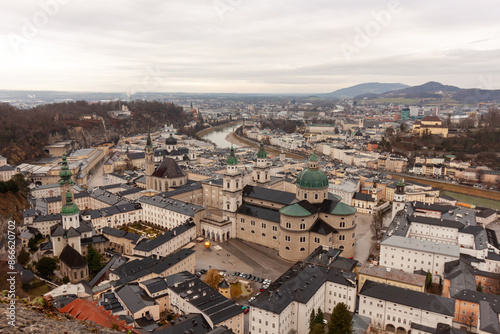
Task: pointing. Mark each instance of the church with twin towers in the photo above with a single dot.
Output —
(251, 208)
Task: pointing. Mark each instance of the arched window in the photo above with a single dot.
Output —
(315, 196)
(302, 249)
(173, 184)
(287, 248)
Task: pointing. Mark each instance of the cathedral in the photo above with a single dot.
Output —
(293, 224)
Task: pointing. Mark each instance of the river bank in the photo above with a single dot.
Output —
(215, 128)
(243, 142)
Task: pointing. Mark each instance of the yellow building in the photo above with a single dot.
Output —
(432, 125)
(224, 289)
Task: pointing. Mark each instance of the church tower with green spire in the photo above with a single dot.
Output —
(65, 180)
(261, 172)
(399, 200)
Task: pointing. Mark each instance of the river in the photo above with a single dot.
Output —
(218, 137)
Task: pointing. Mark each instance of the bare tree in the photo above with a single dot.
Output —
(377, 225)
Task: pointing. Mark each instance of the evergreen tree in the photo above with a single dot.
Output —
(46, 266)
(23, 257)
(340, 320)
(94, 259)
(318, 329)
(32, 244)
(319, 316)
(312, 319)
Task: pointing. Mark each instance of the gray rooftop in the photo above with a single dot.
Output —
(134, 298)
(210, 302)
(148, 245)
(171, 204)
(420, 300)
(422, 245)
(299, 283)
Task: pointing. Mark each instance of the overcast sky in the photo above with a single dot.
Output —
(246, 46)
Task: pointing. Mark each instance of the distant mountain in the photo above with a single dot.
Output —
(436, 90)
(430, 89)
(366, 88)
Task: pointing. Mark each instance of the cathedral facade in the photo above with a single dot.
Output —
(293, 224)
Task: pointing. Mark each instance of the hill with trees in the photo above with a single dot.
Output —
(24, 132)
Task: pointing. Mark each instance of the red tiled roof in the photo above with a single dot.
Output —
(83, 309)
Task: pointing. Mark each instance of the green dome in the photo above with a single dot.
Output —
(69, 208)
(231, 159)
(262, 153)
(171, 140)
(312, 179)
(342, 209)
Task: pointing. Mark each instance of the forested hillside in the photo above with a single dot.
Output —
(24, 132)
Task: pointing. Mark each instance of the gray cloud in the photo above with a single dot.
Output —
(245, 46)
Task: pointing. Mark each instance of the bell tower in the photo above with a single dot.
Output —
(261, 175)
(232, 189)
(65, 181)
(398, 203)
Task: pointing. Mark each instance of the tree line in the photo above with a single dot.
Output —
(24, 132)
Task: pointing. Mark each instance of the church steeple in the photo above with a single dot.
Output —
(261, 173)
(262, 152)
(231, 159)
(65, 180)
(313, 161)
(148, 141)
(149, 155)
(65, 173)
